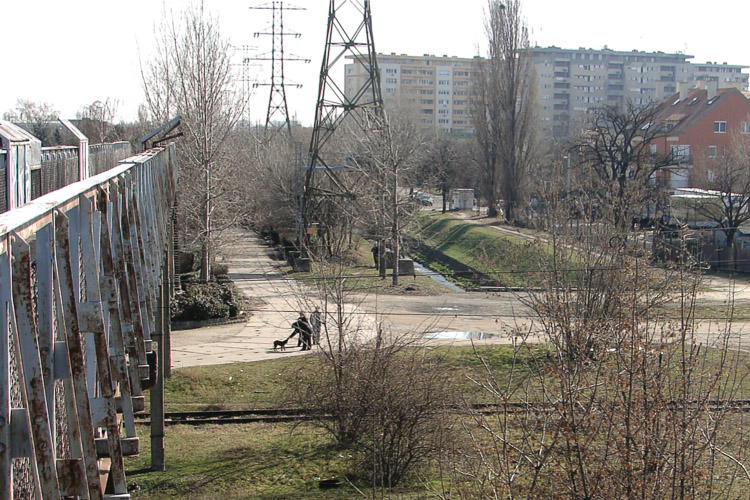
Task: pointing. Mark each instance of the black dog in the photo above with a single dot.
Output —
(280, 343)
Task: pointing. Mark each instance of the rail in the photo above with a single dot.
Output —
(81, 312)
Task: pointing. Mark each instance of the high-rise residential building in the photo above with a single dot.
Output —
(570, 83)
(437, 89)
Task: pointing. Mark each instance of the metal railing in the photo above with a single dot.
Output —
(82, 311)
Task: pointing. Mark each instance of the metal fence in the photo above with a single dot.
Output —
(103, 156)
(81, 312)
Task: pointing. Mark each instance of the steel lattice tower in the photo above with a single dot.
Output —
(349, 35)
(277, 103)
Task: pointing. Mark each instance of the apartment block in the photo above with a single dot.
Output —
(437, 89)
(571, 82)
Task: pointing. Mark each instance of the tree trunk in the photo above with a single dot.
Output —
(206, 240)
(396, 229)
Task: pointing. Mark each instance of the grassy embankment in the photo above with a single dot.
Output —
(469, 253)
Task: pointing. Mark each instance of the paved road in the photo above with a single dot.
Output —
(492, 317)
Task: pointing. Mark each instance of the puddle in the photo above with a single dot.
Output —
(446, 309)
(448, 335)
(437, 277)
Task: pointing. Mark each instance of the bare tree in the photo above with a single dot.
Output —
(728, 178)
(377, 394)
(390, 153)
(191, 75)
(446, 160)
(617, 153)
(619, 402)
(504, 108)
(35, 116)
(97, 120)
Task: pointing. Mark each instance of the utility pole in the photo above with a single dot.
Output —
(363, 104)
(277, 103)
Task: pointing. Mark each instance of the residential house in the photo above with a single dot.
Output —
(699, 125)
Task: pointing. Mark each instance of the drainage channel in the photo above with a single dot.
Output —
(437, 277)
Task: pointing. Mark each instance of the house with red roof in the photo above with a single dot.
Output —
(698, 125)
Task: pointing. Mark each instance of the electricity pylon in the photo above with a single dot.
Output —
(363, 103)
(278, 111)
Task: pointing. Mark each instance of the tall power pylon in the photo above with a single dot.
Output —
(277, 104)
(349, 35)
(244, 77)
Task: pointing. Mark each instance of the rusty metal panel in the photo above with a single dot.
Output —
(91, 315)
(6, 482)
(19, 433)
(44, 306)
(69, 313)
(109, 295)
(33, 378)
(101, 274)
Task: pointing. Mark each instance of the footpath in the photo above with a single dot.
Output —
(276, 302)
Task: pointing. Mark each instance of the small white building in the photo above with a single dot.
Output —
(462, 199)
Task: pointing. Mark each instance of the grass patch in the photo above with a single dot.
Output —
(261, 384)
(285, 461)
(482, 249)
(233, 462)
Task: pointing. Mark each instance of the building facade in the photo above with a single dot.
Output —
(436, 89)
(698, 127)
(570, 83)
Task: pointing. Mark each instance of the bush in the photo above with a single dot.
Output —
(385, 402)
(202, 301)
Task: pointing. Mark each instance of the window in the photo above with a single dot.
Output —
(720, 127)
(712, 151)
(681, 153)
(745, 127)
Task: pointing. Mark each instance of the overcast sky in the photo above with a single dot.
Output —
(72, 53)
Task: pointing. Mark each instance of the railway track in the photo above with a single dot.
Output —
(276, 415)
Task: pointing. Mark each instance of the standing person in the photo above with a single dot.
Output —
(316, 321)
(302, 327)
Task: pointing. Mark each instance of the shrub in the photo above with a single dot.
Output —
(201, 301)
(385, 402)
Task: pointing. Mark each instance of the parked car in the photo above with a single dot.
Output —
(422, 198)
